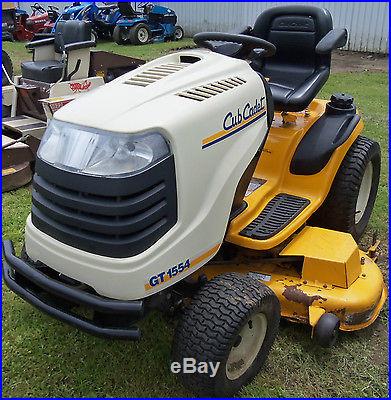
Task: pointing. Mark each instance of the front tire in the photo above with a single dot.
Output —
(178, 33)
(349, 204)
(140, 34)
(234, 320)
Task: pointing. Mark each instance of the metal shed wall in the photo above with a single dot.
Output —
(367, 22)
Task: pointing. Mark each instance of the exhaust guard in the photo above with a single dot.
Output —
(56, 298)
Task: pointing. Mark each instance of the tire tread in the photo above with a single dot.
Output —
(209, 323)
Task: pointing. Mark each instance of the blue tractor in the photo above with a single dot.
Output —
(79, 11)
(106, 19)
(153, 23)
(102, 17)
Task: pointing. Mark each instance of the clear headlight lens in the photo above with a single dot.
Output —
(94, 152)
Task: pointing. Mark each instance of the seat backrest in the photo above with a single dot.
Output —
(72, 31)
(295, 31)
(126, 9)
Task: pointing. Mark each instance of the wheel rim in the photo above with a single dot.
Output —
(245, 350)
(142, 35)
(178, 34)
(364, 193)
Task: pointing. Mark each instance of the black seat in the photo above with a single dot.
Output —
(304, 39)
(44, 71)
(67, 33)
(126, 9)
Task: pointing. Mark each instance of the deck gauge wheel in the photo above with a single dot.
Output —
(326, 330)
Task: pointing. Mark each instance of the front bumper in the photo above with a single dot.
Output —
(111, 318)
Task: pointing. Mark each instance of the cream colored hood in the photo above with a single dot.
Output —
(123, 105)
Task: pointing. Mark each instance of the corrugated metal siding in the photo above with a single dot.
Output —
(367, 22)
(26, 5)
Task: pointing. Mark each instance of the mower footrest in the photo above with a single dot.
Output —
(277, 214)
(25, 125)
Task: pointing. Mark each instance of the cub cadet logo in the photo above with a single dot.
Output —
(230, 120)
(77, 87)
(234, 122)
(294, 24)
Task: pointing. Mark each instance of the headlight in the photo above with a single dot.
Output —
(94, 152)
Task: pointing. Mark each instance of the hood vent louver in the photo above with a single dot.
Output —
(154, 74)
(204, 92)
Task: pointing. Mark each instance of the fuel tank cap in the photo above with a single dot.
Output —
(340, 103)
(341, 100)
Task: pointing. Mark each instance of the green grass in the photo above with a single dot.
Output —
(44, 358)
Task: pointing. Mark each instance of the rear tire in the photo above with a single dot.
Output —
(6, 60)
(120, 35)
(233, 319)
(349, 204)
(140, 34)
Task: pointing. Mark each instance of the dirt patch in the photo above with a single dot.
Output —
(349, 61)
(379, 344)
(382, 250)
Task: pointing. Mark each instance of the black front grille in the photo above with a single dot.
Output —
(110, 216)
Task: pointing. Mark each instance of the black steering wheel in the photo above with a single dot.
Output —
(247, 44)
(146, 6)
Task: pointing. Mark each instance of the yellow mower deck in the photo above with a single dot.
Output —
(335, 277)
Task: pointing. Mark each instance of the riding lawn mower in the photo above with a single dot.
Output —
(154, 24)
(35, 26)
(79, 11)
(214, 183)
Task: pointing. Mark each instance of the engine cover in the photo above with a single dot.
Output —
(212, 111)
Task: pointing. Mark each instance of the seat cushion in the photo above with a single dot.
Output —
(298, 95)
(44, 71)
